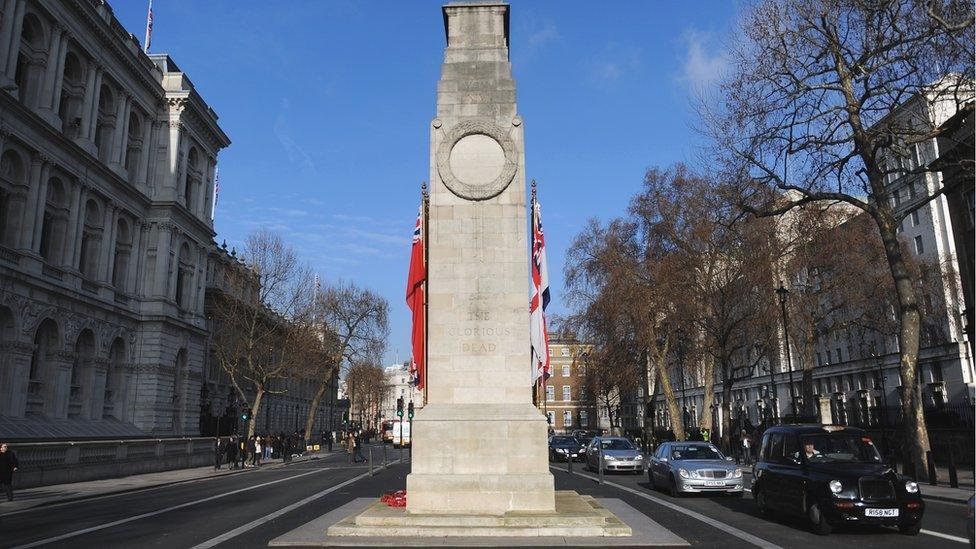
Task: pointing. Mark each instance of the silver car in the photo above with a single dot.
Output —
(693, 467)
(619, 454)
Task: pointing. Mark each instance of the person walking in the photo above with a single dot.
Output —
(350, 446)
(231, 449)
(8, 464)
(256, 460)
(329, 437)
(746, 448)
(218, 453)
(247, 448)
(358, 441)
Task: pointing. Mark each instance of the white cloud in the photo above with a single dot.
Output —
(545, 34)
(296, 154)
(704, 63)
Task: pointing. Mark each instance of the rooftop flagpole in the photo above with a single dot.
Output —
(149, 27)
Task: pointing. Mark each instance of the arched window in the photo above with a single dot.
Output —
(184, 276)
(79, 391)
(90, 240)
(114, 381)
(120, 261)
(31, 60)
(55, 222)
(72, 94)
(105, 124)
(45, 344)
(134, 148)
(12, 183)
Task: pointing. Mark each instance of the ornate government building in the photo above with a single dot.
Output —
(106, 178)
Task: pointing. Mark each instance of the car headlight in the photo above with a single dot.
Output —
(609, 458)
(684, 474)
(911, 487)
(836, 486)
(737, 473)
(639, 457)
(561, 450)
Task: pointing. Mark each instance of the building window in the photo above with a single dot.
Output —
(550, 393)
(565, 371)
(915, 218)
(567, 419)
(919, 247)
(550, 351)
(551, 417)
(584, 418)
(566, 393)
(564, 351)
(830, 360)
(839, 357)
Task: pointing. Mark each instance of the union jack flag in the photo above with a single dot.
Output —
(149, 25)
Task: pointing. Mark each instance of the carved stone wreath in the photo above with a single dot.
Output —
(482, 191)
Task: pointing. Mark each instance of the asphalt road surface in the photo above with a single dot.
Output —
(254, 507)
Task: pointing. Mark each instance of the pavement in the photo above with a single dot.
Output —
(199, 509)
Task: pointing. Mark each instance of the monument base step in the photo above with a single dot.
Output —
(574, 516)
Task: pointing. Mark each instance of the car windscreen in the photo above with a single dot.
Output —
(694, 451)
(563, 441)
(616, 444)
(838, 448)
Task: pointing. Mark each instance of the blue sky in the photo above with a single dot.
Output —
(328, 105)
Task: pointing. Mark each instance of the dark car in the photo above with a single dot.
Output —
(563, 448)
(833, 475)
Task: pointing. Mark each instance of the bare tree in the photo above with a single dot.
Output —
(263, 315)
(366, 386)
(833, 100)
(356, 320)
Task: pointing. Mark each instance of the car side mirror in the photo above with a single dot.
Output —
(727, 458)
(665, 460)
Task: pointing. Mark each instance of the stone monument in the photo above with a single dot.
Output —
(479, 443)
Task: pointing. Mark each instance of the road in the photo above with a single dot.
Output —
(251, 508)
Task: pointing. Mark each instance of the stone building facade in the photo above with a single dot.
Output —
(107, 159)
(398, 386)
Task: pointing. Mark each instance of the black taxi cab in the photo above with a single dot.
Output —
(833, 475)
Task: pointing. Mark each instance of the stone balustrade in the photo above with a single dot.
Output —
(45, 463)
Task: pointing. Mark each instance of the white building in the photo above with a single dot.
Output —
(399, 386)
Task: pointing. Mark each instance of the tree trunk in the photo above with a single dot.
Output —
(310, 419)
(705, 414)
(674, 411)
(809, 406)
(727, 416)
(916, 432)
(255, 407)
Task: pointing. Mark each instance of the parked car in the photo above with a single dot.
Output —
(831, 475)
(693, 467)
(619, 454)
(563, 448)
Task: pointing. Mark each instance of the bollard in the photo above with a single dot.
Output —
(953, 474)
(599, 463)
(569, 464)
(369, 461)
(385, 464)
(933, 478)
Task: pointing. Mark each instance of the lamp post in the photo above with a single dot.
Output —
(884, 406)
(681, 372)
(783, 293)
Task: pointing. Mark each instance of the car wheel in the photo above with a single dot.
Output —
(673, 489)
(818, 522)
(761, 502)
(910, 529)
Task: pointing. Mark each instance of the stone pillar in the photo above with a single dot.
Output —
(59, 81)
(91, 121)
(479, 445)
(823, 403)
(95, 402)
(57, 384)
(42, 168)
(163, 245)
(17, 24)
(72, 239)
(83, 138)
(121, 138)
(145, 157)
(208, 192)
(51, 70)
(140, 236)
(6, 33)
(108, 243)
(15, 360)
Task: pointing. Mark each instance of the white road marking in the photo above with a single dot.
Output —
(944, 536)
(744, 536)
(161, 511)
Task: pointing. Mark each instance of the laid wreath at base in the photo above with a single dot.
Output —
(395, 499)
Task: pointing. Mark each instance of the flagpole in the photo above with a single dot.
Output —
(149, 22)
(425, 197)
(543, 393)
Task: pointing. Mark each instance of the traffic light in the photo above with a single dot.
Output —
(410, 410)
(246, 414)
(399, 406)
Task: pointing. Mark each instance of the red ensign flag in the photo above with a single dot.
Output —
(415, 300)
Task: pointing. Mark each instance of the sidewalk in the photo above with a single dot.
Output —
(30, 498)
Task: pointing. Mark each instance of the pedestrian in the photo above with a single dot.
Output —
(350, 446)
(232, 448)
(328, 440)
(358, 441)
(8, 464)
(256, 460)
(242, 447)
(218, 453)
(746, 445)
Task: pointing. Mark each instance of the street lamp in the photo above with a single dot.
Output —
(783, 293)
(681, 371)
(884, 405)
